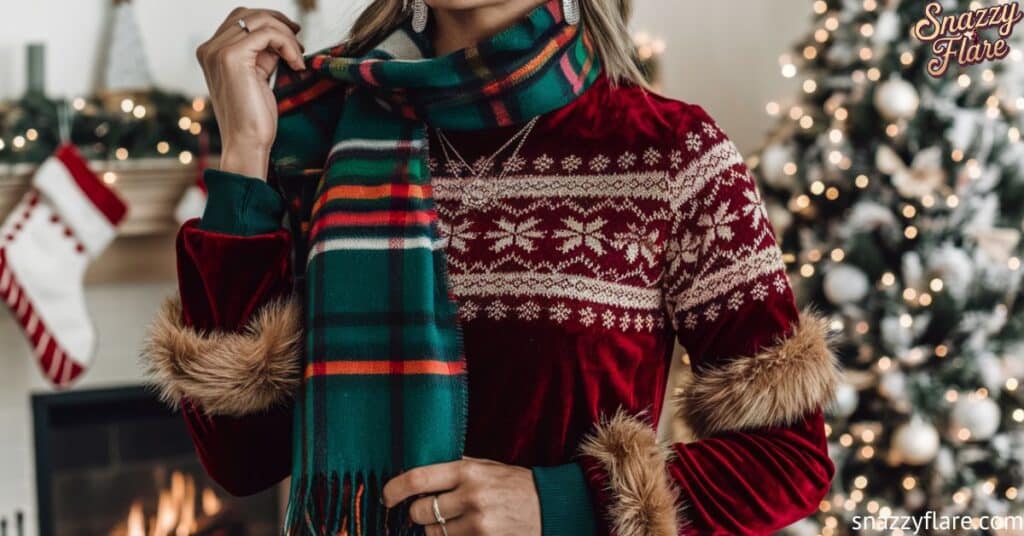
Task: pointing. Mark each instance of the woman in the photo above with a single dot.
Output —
(502, 161)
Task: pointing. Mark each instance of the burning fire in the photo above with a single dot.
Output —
(175, 511)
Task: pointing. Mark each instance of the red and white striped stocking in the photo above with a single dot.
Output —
(65, 220)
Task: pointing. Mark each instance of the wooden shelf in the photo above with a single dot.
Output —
(150, 186)
(144, 248)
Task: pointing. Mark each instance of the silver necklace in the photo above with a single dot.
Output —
(475, 191)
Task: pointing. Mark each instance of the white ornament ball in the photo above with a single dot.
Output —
(845, 402)
(845, 283)
(893, 385)
(979, 416)
(990, 369)
(897, 99)
(915, 442)
(773, 166)
(780, 217)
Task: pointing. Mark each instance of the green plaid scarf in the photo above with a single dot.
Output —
(385, 375)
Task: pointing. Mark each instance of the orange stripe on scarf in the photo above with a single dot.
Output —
(348, 191)
(553, 46)
(337, 368)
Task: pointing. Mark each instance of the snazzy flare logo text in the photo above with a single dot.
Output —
(956, 38)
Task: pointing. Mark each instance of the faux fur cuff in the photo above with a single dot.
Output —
(775, 387)
(227, 373)
(643, 497)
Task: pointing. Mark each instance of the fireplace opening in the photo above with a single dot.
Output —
(118, 462)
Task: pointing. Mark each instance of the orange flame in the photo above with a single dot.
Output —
(175, 512)
(136, 521)
(211, 504)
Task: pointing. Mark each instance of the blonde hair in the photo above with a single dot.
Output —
(605, 20)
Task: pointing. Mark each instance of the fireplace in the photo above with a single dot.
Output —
(118, 462)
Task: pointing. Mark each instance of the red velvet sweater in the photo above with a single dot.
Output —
(628, 222)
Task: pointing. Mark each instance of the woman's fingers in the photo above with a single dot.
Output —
(233, 34)
(474, 496)
(280, 41)
(266, 62)
(422, 480)
(259, 20)
(267, 39)
(463, 526)
(450, 504)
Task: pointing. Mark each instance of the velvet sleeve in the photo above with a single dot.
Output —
(226, 347)
(754, 457)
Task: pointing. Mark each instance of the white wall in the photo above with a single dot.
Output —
(721, 55)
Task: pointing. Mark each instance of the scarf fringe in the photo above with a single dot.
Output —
(348, 505)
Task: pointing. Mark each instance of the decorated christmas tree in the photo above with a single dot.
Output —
(897, 193)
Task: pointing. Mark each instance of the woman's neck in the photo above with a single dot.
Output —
(456, 29)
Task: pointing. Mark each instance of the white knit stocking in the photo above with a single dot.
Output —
(66, 219)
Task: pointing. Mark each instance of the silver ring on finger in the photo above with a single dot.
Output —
(244, 26)
(437, 514)
(440, 518)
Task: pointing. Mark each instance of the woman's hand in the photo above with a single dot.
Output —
(476, 498)
(237, 65)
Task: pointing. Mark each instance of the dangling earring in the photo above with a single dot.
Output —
(419, 15)
(571, 10)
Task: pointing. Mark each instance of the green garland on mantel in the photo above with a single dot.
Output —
(151, 123)
(156, 123)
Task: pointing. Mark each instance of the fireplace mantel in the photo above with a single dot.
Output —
(151, 187)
